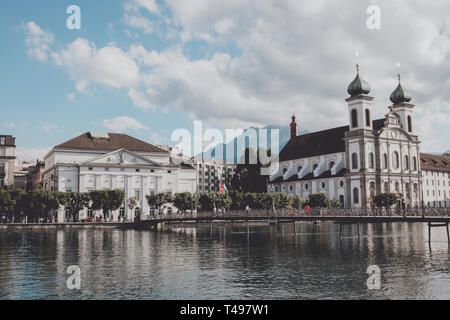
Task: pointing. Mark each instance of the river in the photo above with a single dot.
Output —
(224, 262)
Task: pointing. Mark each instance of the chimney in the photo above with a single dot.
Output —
(293, 128)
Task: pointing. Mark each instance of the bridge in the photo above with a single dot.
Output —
(435, 217)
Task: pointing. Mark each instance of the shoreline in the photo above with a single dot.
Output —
(66, 225)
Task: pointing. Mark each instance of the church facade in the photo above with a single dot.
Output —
(353, 163)
(107, 161)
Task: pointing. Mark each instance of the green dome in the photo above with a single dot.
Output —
(400, 95)
(358, 86)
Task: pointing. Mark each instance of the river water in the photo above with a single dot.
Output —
(224, 262)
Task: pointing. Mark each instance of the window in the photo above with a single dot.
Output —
(354, 115)
(355, 195)
(414, 164)
(306, 186)
(396, 160)
(169, 171)
(341, 183)
(299, 169)
(386, 187)
(138, 170)
(330, 165)
(354, 161)
(371, 161)
(323, 185)
(90, 169)
(315, 166)
(137, 195)
(385, 161)
(106, 169)
(367, 118)
(122, 212)
(284, 170)
(291, 188)
(409, 124)
(406, 163)
(2, 140)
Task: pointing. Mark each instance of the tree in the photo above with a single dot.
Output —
(336, 203)
(6, 203)
(247, 176)
(185, 201)
(114, 200)
(98, 197)
(318, 200)
(160, 199)
(297, 202)
(385, 200)
(75, 202)
(237, 200)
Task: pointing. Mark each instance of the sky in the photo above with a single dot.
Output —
(149, 67)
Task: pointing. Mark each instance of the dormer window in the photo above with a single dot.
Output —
(299, 169)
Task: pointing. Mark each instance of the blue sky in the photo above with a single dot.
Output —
(148, 67)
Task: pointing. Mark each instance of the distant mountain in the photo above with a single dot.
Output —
(284, 135)
(447, 152)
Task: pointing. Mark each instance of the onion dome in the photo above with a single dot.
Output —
(400, 95)
(358, 86)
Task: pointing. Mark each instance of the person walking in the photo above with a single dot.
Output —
(307, 209)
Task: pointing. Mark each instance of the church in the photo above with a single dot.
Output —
(107, 161)
(353, 163)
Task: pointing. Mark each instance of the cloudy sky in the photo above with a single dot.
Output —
(148, 67)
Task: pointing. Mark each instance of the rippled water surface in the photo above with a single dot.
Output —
(220, 262)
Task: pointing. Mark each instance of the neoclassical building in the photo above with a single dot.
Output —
(435, 179)
(107, 161)
(355, 162)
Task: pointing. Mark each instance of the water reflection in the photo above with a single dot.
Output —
(220, 261)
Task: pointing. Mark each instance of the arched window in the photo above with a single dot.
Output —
(406, 163)
(299, 168)
(371, 161)
(396, 160)
(284, 170)
(354, 118)
(355, 195)
(385, 161)
(341, 183)
(315, 166)
(409, 124)
(367, 118)
(414, 164)
(291, 187)
(354, 161)
(323, 185)
(386, 186)
(306, 186)
(330, 165)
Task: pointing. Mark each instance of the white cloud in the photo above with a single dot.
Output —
(10, 125)
(135, 5)
(295, 56)
(31, 154)
(139, 99)
(38, 41)
(139, 22)
(124, 123)
(50, 127)
(70, 96)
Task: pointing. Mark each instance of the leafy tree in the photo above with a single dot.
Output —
(251, 200)
(237, 200)
(160, 199)
(19, 204)
(385, 199)
(114, 200)
(6, 203)
(75, 202)
(335, 203)
(186, 201)
(280, 200)
(297, 202)
(264, 200)
(247, 177)
(318, 200)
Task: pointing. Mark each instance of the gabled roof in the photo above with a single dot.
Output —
(434, 162)
(320, 143)
(310, 176)
(116, 141)
(105, 156)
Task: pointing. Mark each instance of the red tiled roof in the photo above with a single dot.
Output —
(434, 162)
(116, 141)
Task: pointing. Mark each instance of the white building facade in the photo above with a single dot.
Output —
(108, 161)
(211, 173)
(354, 163)
(435, 179)
(7, 158)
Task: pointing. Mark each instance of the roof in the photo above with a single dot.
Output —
(434, 162)
(310, 176)
(116, 141)
(319, 143)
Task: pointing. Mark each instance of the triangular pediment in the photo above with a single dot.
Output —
(121, 157)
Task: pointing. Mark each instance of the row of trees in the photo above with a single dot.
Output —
(38, 203)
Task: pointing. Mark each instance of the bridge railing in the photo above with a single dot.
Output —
(327, 212)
